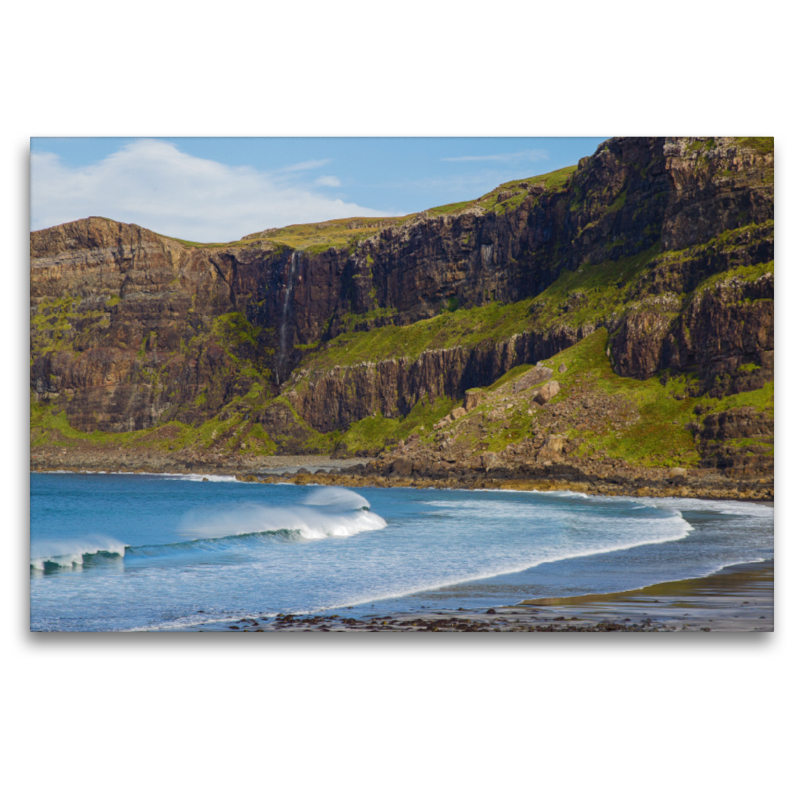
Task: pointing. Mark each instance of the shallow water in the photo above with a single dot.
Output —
(123, 552)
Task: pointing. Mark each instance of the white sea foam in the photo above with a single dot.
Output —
(328, 511)
(70, 553)
(200, 478)
(255, 556)
(174, 476)
(667, 529)
(336, 497)
(737, 508)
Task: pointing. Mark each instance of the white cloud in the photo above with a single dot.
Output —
(305, 165)
(153, 184)
(525, 155)
(327, 180)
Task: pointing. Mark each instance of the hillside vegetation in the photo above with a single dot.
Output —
(643, 278)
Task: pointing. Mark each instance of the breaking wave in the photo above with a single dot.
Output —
(328, 511)
(325, 512)
(74, 554)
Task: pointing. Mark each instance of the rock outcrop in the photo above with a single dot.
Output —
(665, 242)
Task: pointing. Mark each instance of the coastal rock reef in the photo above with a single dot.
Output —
(616, 314)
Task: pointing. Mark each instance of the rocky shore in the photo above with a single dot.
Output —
(597, 480)
(603, 478)
(621, 309)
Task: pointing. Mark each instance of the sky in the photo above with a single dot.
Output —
(220, 189)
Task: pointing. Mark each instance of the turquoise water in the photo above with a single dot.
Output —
(133, 552)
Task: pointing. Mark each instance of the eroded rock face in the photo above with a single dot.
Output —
(123, 324)
(727, 334)
(740, 442)
(335, 398)
(130, 329)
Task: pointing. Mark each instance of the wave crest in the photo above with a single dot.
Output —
(73, 553)
(328, 511)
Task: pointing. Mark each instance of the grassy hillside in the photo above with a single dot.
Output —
(342, 233)
(653, 422)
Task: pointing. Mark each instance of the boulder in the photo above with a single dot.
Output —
(532, 377)
(489, 460)
(458, 412)
(401, 467)
(547, 392)
(553, 446)
(473, 398)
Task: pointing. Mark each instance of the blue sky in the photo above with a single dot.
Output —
(219, 189)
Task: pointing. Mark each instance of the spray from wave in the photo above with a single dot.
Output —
(73, 553)
(328, 511)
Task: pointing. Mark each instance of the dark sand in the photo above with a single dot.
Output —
(738, 598)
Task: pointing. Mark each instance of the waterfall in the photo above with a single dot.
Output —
(287, 298)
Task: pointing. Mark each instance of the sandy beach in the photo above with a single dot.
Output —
(738, 598)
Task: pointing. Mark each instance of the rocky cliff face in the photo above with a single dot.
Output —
(664, 242)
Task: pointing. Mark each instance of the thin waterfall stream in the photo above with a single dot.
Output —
(287, 298)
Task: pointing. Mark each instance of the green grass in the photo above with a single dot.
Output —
(490, 201)
(56, 322)
(748, 444)
(701, 144)
(762, 399)
(619, 202)
(751, 272)
(318, 237)
(551, 181)
(372, 433)
(761, 144)
(234, 328)
(587, 295)
(58, 325)
(49, 427)
(464, 327)
(314, 237)
(451, 208)
(511, 375)
(513, 428)
(350, 321)
(322, 236)
(660, 437)
(597, 290)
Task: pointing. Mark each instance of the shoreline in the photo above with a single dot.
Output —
(738, 598)
(363, 473)
(351, 482)
(725, 600)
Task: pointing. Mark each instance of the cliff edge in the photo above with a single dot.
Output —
(645, 272)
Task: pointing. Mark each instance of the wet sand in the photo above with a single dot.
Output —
(738, 598)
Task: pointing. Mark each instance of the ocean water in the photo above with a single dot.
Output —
(161, 552)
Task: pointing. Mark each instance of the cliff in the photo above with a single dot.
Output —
(354, 334)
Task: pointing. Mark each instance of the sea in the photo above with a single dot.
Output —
(123, 552)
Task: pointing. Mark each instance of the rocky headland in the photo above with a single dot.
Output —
(608, 325)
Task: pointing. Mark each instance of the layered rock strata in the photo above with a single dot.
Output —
(130, 329)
